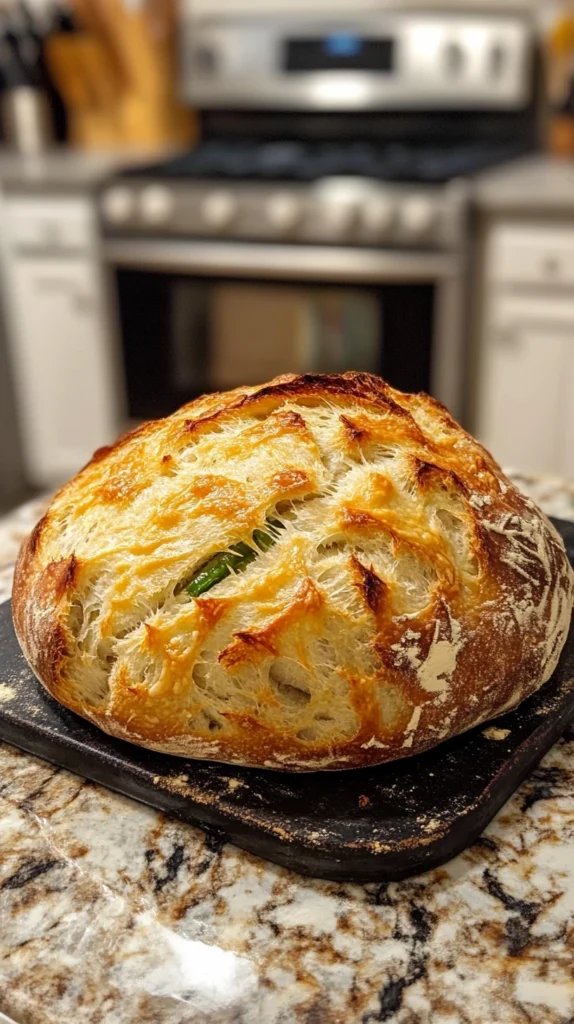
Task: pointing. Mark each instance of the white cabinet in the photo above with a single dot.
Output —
(525, 402)
(61, 362)
(520, 411)
(64, 372)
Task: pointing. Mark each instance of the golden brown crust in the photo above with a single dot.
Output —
(412, 594)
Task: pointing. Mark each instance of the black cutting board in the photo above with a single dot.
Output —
(372, 824)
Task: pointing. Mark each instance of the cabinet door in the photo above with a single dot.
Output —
(62, 360)
(521, 396)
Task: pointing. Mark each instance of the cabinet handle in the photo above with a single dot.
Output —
(512, 334)
(551, 267)
(507, 336)
(83, 303)
(53, 284)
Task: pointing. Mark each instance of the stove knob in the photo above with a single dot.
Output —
(118, 204)
(417, 216)
(156, 204)
(497, 60)
(205, 59)
(454, 59)
(339, 218)
(283, 212)
(378, 215)
(218, 210)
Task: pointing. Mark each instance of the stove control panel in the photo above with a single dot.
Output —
(358, 60)
(333, 211)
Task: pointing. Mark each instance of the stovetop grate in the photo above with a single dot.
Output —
(309, 161)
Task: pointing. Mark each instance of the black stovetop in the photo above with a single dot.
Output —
(249, 160)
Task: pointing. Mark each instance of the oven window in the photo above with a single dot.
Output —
(183, 336)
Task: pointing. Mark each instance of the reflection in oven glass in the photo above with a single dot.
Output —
(261, 330)
(184, 335)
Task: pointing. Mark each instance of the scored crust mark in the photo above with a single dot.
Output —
(57, 579)
(35, 536)
(353, 433)
(66, 573)
(246, 647)
(373, 589)
(251, 645)
(51, 653)
(428, 546)
(428, 476)
(282, 421)
(429, 583)
(467, 548)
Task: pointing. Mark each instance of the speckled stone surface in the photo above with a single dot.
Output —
(112, 914)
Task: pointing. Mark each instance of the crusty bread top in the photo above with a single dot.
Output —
(412, 593)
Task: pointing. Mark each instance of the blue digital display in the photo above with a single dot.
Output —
(339, 51)
(343, 44)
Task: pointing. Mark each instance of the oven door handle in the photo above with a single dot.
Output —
(280, 262)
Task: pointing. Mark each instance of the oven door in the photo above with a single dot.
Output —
(202, 316)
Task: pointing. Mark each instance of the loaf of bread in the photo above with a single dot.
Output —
(320, 573)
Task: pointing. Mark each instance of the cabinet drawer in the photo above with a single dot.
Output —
(58, 224)
(515, 311)
(531, 255)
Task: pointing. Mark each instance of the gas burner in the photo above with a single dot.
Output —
(236, 161)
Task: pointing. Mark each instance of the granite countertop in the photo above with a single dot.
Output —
(113, 914)
(65, 169)
(535, 185)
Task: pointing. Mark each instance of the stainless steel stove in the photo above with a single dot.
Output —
(329, 193)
